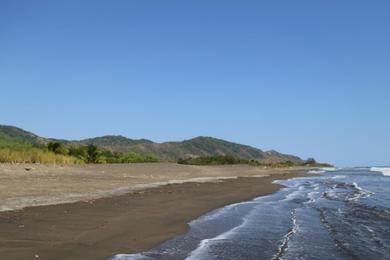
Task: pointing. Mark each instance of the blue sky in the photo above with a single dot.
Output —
(311, 78)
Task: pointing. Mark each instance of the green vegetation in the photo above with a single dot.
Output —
(311, 162)
(33, 155)
(8, 142)
(14, 150)
(92, 154)
(229, 159)
(18, 145)
(167, 151)
(132, 157)
(216, 160)
(57, 148)
(17, 134)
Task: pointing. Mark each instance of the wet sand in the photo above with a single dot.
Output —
(131, 222)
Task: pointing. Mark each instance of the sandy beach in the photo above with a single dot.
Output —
(95, 211)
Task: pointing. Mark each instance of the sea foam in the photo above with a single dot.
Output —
(323, 170)
(384, 170)
(317, 171)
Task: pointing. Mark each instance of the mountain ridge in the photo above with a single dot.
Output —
(165, 151)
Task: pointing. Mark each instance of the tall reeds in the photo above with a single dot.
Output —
(34, 155)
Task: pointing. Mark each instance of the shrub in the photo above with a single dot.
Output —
(57, 148)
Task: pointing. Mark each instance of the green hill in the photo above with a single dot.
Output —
(169, 151)
(12, 134)
(19, 146)
(115, 143)
(209, 146)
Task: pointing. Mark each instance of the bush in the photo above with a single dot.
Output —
(93, 154)
(57, 148)
(310, 161)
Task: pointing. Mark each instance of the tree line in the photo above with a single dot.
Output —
(229, 159)
(91, 153)
(13, 151)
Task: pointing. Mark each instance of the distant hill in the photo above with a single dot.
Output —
(209, 146)
(12, 133)
(116, 143)
(168, 151)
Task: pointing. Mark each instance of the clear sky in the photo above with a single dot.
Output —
(311, 78)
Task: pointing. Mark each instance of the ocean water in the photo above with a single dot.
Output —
(339, 214)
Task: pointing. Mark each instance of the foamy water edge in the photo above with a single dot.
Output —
(384, 170)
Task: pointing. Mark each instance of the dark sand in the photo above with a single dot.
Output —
(122, 224)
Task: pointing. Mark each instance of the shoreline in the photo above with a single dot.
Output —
(24, 185)
(127, 223)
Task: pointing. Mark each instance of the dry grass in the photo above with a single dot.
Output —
(33, 155)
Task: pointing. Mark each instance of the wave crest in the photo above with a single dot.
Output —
(384, 170)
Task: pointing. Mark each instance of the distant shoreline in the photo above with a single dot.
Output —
(131, 222)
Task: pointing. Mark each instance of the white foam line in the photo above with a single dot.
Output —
(339, 177)
(219, 212)
(384, 170)
(329, 169)
(130, 257)
(362, 192)
(316, 171)
(323, 170)
(198, 253)
(286, 238)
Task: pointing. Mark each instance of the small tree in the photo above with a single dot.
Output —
(57, 147)
(311, 161)
(92, 154)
